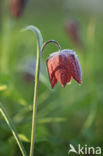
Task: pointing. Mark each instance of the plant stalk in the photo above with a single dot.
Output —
(12, 128)
(39, 45)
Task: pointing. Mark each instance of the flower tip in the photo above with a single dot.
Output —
(52, 87)
(69, 83)
(80, 81)
(63, 85)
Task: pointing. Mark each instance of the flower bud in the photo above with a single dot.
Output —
(17, 7)
(72, 30)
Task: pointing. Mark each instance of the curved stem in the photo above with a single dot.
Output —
(12, 128)
(51, 41)
(39, 45)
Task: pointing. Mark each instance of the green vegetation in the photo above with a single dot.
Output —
(70, 115)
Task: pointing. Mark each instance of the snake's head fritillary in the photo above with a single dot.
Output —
(72, 29)
(17, 7)
(63, 66)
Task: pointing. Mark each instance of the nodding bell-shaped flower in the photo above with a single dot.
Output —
(72, 30)
(63, 66)
(17, 7)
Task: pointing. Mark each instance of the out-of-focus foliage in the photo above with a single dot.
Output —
(73, 114)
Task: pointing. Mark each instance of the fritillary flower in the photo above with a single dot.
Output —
(63, 66)
(73, 31)
(17, 7)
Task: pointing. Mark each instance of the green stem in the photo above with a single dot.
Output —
(51, 41)
(39, 45)
(12, 128)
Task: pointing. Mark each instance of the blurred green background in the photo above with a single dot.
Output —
(70, 115)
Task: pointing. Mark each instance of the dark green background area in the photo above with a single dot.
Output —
(70, 115)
